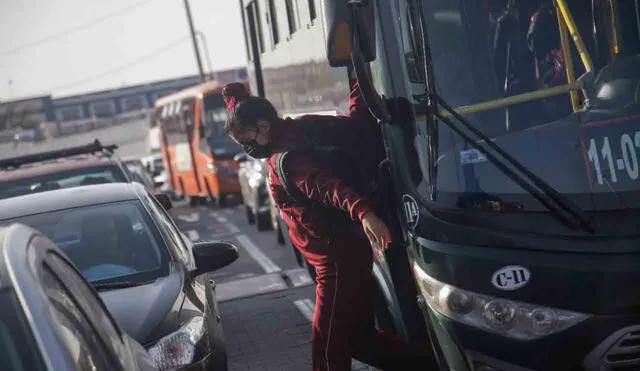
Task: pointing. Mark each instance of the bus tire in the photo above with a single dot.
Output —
(183, 193)
(194, 200)
(210, 197)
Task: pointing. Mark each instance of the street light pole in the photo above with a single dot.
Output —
(193, 40)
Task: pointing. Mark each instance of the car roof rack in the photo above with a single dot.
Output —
(95, 146)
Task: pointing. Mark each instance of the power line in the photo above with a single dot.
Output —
(119, 68)
(77, 28)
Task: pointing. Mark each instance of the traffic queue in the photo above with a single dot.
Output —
(94, 272)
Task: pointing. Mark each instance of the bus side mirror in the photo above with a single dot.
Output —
(338, 23)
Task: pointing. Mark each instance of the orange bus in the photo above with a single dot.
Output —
(198, 155)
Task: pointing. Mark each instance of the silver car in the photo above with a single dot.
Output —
(50, 317)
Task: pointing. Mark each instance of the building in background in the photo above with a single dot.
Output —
(31, 113)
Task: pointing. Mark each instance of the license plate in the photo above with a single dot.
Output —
(611, 149)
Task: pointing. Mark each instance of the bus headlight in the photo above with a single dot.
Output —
(178, 348)
(508, 318)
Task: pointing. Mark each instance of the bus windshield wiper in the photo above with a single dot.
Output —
(563, 208)
(113, 285)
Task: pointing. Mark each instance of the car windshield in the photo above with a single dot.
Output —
(65, 179)
(116, 241)
(513, 71)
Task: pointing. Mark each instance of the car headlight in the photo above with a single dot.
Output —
(178, 348)
(508, 318)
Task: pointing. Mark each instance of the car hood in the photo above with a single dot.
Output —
(139, 310)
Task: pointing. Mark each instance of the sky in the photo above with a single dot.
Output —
(57, 47)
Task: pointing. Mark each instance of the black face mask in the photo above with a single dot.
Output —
(256, 150)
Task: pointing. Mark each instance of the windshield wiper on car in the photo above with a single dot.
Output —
(113, 285)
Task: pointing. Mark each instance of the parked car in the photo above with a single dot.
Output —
(51, 318)
(153, 163)
(272, 214)
(71, 167)
(154, 166)
(149, 274)
(140, 174)
(252, 176)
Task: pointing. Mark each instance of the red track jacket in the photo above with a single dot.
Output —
(309, 230)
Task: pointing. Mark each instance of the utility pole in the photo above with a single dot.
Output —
(194, 41)
(206, 54)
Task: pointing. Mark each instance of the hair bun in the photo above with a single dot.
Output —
(233, 93)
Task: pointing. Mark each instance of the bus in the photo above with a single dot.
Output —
(512, 131)
(197, 153)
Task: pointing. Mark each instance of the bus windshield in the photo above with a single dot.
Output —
(556, 84)
(215, 116)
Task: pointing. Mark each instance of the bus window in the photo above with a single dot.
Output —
(312, 9)
(483, 52)
(174, 132)
(273, 21)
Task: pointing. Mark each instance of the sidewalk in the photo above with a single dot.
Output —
(271, 332)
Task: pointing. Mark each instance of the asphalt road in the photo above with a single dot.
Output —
(265, 298)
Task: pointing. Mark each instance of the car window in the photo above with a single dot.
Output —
(66, 179)
(169, 228)
(108, 241)
(18, 349)
(87, 297)
(74, 330)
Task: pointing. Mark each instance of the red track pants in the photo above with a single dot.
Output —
(343, 323)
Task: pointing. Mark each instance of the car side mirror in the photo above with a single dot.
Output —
(212, 255)
(164, 200)
(240, 157)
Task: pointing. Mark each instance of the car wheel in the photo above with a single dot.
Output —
(263, 221)
(250, 216)
(221, 201)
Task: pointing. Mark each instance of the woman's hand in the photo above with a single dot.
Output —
(376, 230)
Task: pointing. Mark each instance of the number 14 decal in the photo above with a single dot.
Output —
(628, 162)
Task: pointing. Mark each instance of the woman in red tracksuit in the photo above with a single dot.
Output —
(343, 324)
